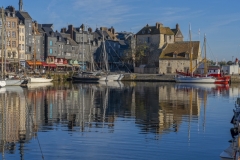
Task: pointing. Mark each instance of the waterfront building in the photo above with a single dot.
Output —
(26, 19)
(86, 47)
(71, 51)
(12, 30)
(177, 56)
(50, 45)
(112, 47)
(2, 31)
(21, 44)
(157, 38)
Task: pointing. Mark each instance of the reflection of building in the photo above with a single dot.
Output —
(13, 117)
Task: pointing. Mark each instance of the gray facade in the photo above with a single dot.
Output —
(50, 41)
(27, 21)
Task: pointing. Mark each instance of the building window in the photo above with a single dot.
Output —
(148, 39)
(8, 24)
(0, 22)
(30, 25)
(22, 38)
(22, 30)
(8, 43)
(13, 43)
(13, 34)
(50, 51)
(73, 48)
(29, 32)
(22, 46)
(50, 43)
(13, 24)
(9, 34)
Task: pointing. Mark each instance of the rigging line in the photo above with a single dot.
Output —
(211, 51)
(33, 123)
(118, 56)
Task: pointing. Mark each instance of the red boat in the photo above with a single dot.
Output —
(213, 71)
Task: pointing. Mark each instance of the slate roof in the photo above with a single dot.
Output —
(154, 30)
(67, 37)
(180, 49)
(25, 15)
(48, 30)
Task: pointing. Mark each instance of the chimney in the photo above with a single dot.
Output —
(36, 24)
(63, 30)
(90, 30)
(177, 26)
(158, 25)
(70, 30)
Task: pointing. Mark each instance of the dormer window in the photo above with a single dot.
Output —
(143, 31)
(186, 55)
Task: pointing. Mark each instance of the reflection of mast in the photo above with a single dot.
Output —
(92, 105)
(205, 103)
(105, 104)
(3, 132)
(190, 113)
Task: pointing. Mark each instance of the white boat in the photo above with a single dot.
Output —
(189, 79)
(14, 82)
(39, 80)
(2, 83)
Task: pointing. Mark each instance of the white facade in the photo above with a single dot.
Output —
(232, 69)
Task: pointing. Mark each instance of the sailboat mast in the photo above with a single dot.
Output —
(191, 49)
(82, 49)
(2, 52)
(34, 33)
(104, 53)
(205, 55)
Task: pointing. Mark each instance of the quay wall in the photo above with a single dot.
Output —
(135, 77)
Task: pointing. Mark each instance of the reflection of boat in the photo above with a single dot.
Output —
(39, 80)
(16, 89)
(207, 86)
(2, 90)
(39, 85)
(111, 84)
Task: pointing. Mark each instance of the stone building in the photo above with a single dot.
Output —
(177, 56)
(11, 36)
(21, 43)
(26, 19)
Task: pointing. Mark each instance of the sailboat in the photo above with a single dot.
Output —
(37, 79)
(212, 71)
(192, 78)
(83, 76)
(108, 75)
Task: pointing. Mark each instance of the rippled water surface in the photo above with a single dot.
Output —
(116, 121)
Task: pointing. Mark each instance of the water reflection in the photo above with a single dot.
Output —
(156, 108)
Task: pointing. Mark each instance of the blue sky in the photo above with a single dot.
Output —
(218, 19)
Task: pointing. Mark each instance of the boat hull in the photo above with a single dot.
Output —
(14, 82)
(112, 77)
(195, 80)
(85, 79)
(39, 80)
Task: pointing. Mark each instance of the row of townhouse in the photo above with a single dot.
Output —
(34, 45)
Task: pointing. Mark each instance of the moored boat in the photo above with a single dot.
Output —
(39, 80)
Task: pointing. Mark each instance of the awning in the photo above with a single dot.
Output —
(7, 62)
(61, 65)
(49, 64)
(75, 65)
(31, 63)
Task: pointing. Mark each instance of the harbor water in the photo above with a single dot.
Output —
(116, 120)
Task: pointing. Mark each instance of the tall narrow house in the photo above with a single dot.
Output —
(27, 21)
